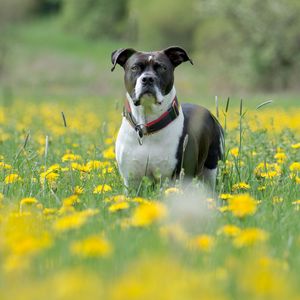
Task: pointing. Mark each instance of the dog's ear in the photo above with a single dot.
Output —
(177, 55)
(120, 56)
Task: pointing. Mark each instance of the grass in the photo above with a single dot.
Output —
(48, 63)
(121, 250)
(68, 231)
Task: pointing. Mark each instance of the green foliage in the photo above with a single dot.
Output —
(164, 23)
(259, 37)
(96, 18)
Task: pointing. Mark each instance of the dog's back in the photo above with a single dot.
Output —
(205, 141)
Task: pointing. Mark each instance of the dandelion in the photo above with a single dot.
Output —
(12, 178)
(241, 186)
(226, 196)
(49, 211)
(118, 206)
(229, 230)
(280, 157)
(71, 201)
(203, 242)
(242, 205)
(268, 171)
(296, 203)
(250, 237)
(78, 190)
(116, 198)
(28, 201)
(68, 222)
(107, 170)
(277, 199)
(234, 152)
(5, 166)
(296, 146)
(79, 167)
(49, 176)
(97, 164)
(295, 167)
(102, 188)
(147, 214)
(92, 246)
(140, 200)
(70, 157)
(109, 153)
(172, 191)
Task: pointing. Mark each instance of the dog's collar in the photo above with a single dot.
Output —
(146, 129)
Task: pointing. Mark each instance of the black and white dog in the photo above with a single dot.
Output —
(158, 136)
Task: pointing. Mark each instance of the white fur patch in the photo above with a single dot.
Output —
(156, 157)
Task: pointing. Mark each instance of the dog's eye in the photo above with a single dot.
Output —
(135, 68)
(161, 68)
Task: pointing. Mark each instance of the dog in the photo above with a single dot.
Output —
(158, 137)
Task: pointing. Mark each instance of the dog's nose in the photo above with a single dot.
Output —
(148, 80)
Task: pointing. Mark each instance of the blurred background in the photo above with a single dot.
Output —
(60, 49)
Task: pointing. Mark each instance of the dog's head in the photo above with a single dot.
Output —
(149, 74)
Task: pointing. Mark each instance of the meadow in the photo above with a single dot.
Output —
(68, 229)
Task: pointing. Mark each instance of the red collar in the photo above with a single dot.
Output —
(146, 129)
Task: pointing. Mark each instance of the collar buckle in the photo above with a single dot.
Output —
(140, 131)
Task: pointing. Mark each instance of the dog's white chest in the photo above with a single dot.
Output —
(156, 157)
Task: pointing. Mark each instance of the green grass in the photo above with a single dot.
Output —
(46, 62)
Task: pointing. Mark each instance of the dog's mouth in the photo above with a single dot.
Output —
(147, 97)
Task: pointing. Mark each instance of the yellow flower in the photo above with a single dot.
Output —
(102, 188)
(226, 196)
(249, 237)
(240, 186)
(172, 191)
(27, 204)
(277, 199)
(109, 153)
(242, 205)
(78, 190)
(71, 201)
(296, 146)
(5, 166)
(92, 246)
(268, 171)
(49, 176)
(68, 222)
(295, 167)
(107, 170)
(31, 244)
(203, 242)
(54, 168)
(118, 206)
(97, 164)
(79, 167)
(146, 214)
(116, 198)
(280, 157)
(49, 211)
(140, 200)
(223, 209)
(12, 178)
(234, 152)
(229, 230)
(70, 157)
